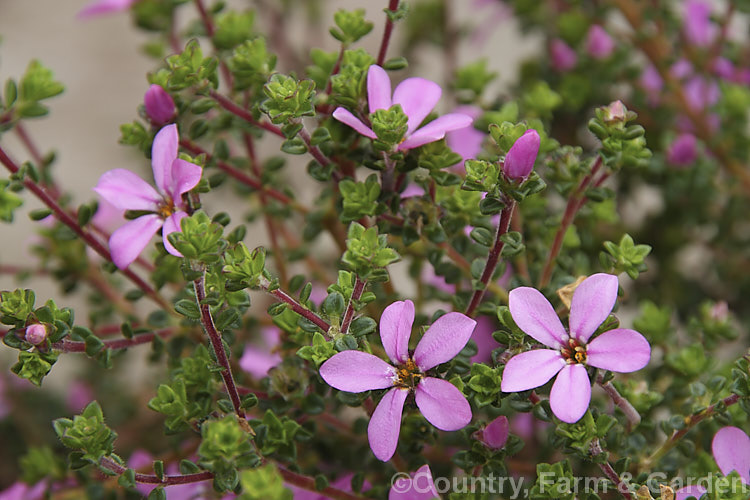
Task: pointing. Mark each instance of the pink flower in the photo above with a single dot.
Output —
(697, 23)
(417, 98)
(681, 69)
(79, 395)
(258, 360)
(599, 44)
(441, 403)
(723, 68)
(618, 350)
(419, 486)
(652, 83)
(682, 151)
(466, 141)
(701, 93)
(731, 449)
(563, 57)
(36, 333)
(519, 162)
(100, 7)
(126, 191)
(495, 435)
(159, 105)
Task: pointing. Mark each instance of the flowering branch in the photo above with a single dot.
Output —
(89, 239)
(359, 287)
(492, 258)
(217, 344)
(393, 7)
(75, 346)
(596, 449)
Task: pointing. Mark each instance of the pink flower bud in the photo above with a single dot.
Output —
(36, 333)
(682, 151)
(159, 105)
(520, 159)
(599, 44)
(615, 112)
(563, 57)
(495, 435)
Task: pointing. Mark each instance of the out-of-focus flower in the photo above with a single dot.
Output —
(418, 486)
(563, 57)
(519, 162)
(723, 68)
(466, 141)
(683, 150)
(257, 360)
(417, 97)
(101, 7)
(619, 350)
(441, 403)
(599, 44)
(681, 69)
(78, 396)
(701, 93)
(22, 491)
(697, 24)
(159, 105)
(126, 191)
(652, 83)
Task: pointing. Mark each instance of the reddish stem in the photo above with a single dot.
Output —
(393, 7)
(609, 471)
(359, 288)
(75, 346)
(298, 308)
(236, 110)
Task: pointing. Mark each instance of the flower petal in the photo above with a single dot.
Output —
(731, 448)
(100, 7)
(620, 350)
(395, 330)
(385, 424)
(442, 404)
(185, 176)
(421, 486)
(443, 340)
(172, 225)
(163, 154)
(258, 360)
(495, 435)
(378, 89)
(129, 240)
(571, 393)
(531, 369)
(693, 490)
(417, 98)
(357, 371)
(533, 314)
(126, 191)
(344, 116)
(592, 302)
(435, 130)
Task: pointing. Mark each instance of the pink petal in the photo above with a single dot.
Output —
(185, 176)
(395, 330)
(694, 490)
(172, 225)
(731, 448)
(571, 393)
(127, 242)
(466, 141)
(417, 98)
(620, 350)
(378, 89)
(421, 486)
(385, 424)
(163, 154)
(519, 162)
(435, 130)
(442, 404)
(357, 371)
(533, 314)
(592, 302)
(482, 336)
(443, 340)
(495, 435)
(257, 361)
(344, 116)
(531, 369)
(100, 7)
(159, 104)
(126, 191)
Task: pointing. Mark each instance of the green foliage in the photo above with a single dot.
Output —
(276, 435)
(200, 239)
(34, 366)
(540, 100)
(347, 87)
(351, 25)
(359, 198)
(472, 79)
(233, 28)
(87, 433)
(37, 84)
(263, 483)
(623, 145)
(319, 351)
(225, 448)
(654, 322)
(288, 98)
(485, 384)
(252, 64)
(16, 306)
(390, 126)
(554, 481)
(8, 201)
(191, 69)
(625, 257)
(243, 268)
(367, 253)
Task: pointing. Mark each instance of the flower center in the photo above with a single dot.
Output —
(408, 375)
(166, 209)
(574, 353)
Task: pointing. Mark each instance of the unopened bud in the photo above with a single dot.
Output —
(495, 435)
(36, 333)
(519, 162)
(159, 105)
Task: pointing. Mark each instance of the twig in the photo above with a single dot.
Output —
(238, 111)
(634, 418)
(359, 287)
(144, 338)
(622, 488)
(166, 480)
(295, 306)
(393, 7)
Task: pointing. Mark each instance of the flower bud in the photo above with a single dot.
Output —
(563, 57)
(682, 151)
(36, 333)
(495, 435)
(159, 105)
(520, 159)
(599, 44)
(615, 112)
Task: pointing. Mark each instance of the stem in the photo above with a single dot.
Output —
(208, 24)
(217, 344)
(596, 449)
(575, 202)
(691, 422)
(308, 484)
(634, 418)
(492, 258)
(110, 464)
(393, 7)
(243, 177)
(74, 346)
(359, 287)
(87, 237)
(521, 264)
(238, 111)
(295, 306)
(314, 150)
(335, 70)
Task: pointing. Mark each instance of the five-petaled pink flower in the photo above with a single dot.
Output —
(417, 98)
(441, 403)
(126, 191)
(731, 449)
(619, 350)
